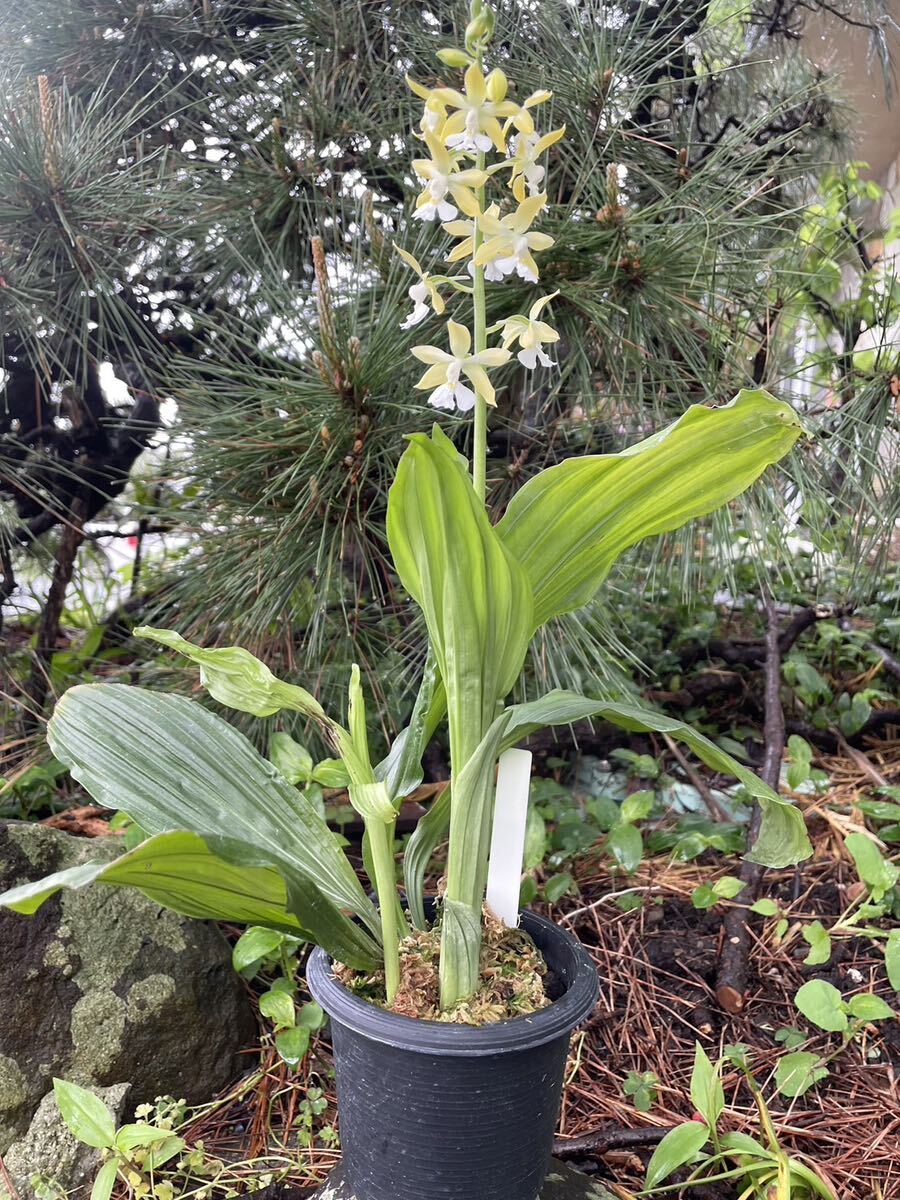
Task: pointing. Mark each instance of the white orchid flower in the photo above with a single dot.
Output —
(445, 371)
(527, 148)
(464, 249)
(474, 126)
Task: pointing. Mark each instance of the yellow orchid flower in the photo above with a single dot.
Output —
(464, 249)
(445, 179)
(434, 114)
(531, 333)
(445, 370)
(422, 294)
(522, 119)
(475, 124)
(509, 243)
(527, 148)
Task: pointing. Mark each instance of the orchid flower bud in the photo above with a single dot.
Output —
(454, 58)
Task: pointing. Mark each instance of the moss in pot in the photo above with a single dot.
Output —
(229, 834)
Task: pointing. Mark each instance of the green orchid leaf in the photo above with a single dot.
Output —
(569, 524)
(460, 950)
(236, 678)
(782, 839)
(428, 834)
(471, 813)
(474, 595)
(178, 871)
(401, 769)
(172, 765)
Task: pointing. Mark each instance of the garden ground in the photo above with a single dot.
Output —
(658, 965)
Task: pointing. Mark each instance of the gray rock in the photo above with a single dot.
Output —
(562, 1183)
(103, 986)
(48, 1148)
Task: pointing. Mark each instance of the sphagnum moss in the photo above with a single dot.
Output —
(512, 972)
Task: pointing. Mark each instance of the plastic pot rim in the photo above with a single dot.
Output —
(446, 1038)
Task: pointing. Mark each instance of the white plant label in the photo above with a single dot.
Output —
(508, 835)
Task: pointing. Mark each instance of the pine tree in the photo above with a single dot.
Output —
(209, 194)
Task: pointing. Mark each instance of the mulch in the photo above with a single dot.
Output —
(657, 968)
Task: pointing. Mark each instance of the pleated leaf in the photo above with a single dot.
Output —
(428, 834)
(401, 768)
(178, 871)
(473, 593)
(569, 524)
(172, 765)
(782, 839)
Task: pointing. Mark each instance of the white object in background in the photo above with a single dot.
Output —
(508, 835)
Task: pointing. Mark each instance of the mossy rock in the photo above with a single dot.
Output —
(102, 986)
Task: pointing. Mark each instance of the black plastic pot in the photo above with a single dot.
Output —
(433, 1111)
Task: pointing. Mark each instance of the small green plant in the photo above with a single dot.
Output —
(261, 950)
(638, 766)
(708, 894)
(887, 811)
(822, 1003)
(801, 774)
(133, 1154)
(148, 1159)
(36, 790)
(767, 907)
(642, 1087)
(296, 764)
(310, 1131)
(624, 841)
(798, 1071)
(760, 1169)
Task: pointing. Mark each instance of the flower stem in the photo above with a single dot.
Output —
(381, 843)
(479, 446)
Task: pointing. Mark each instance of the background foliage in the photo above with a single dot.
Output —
(206, 196)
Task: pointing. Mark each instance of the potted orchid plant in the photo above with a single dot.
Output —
(446, 1090)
